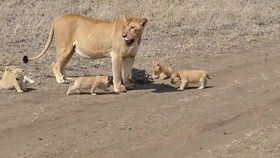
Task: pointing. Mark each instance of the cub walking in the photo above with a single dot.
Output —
(102, 82)
(190, 76)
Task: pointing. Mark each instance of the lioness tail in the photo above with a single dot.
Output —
(25, 58)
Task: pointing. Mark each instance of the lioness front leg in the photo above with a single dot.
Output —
(127, 66)
(116, 66)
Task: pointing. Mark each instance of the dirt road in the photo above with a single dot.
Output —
(236, 116)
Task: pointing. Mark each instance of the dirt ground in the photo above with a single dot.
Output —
(236, 116)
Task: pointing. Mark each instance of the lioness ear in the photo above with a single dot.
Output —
(125, 17)
(143, 22)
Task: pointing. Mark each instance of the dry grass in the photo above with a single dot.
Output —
(177, 28)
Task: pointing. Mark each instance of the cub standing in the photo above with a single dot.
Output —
(190, 76)
(102, 82)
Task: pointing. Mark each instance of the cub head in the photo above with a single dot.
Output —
(156, 67)
(132, 29)
(16, 72)
(175, 77)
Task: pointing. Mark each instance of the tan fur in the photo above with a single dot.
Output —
(160, 71)
(190, 76)
(95, 39)
(13, 78)
(92, 83)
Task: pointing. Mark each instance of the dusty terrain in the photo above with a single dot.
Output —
(236, 116)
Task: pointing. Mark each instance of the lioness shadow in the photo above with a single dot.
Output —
(162, 87)
(158, 87)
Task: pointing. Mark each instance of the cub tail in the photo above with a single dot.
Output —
(210, 76)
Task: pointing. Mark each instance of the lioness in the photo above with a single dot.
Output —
(13, 78)
(190, 76)
(102, 82)
(95, 39)
(160, 71)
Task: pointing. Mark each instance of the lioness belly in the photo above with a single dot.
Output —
(91, 54)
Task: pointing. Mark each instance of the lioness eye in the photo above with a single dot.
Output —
(132, 27)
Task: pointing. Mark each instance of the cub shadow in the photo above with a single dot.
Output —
(195, 87)
(97, 93)
(29, 89)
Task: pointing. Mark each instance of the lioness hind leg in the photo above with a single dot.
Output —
(63, 57)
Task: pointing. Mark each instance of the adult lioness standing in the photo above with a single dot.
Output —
(95, 39)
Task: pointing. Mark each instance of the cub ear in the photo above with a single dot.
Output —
(8, 68)
(143, 22)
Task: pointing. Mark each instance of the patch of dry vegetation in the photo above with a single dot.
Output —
(177, 28)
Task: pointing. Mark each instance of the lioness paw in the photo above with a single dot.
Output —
(120, 89)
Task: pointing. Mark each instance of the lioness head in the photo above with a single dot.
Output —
(156, 67)
(132, 29)
(175, 77)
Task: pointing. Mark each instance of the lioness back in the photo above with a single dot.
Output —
(91, 35)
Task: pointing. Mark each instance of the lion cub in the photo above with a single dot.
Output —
(160, 71)
(190, 76)
(13, 78)
(102, 82)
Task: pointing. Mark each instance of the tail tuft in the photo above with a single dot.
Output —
(25, 59)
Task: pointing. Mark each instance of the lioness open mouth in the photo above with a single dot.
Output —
(129, 42)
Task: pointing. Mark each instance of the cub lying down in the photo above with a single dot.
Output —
(13, 78)
(102, 82)
(161, 72)
(190, 76)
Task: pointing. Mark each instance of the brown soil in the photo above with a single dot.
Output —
(236, 116)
